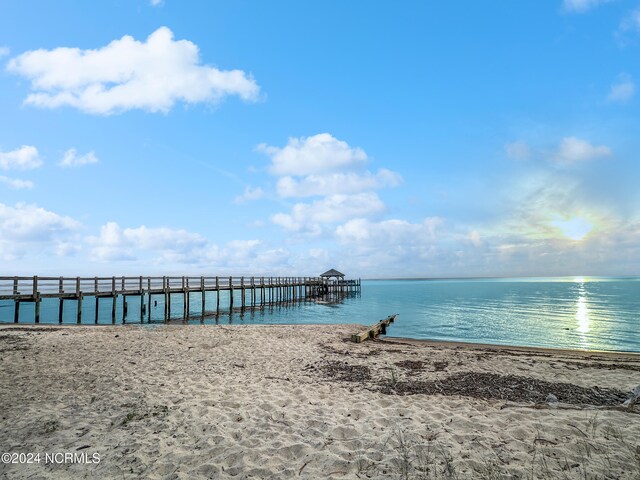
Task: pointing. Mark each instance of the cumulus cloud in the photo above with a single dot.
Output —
(581, 6)
(310, 217)
(171, 248)
(328, 168)
(317, 154)
(622, 90)
(16, 183)
(116, 243)
(575, 150)
(336, 183)
(24, 158)
(27, 229)
(518, 150)
(388, 233)
(72, 159)
(127, 74)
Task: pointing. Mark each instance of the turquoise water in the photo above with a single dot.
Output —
(577, 313)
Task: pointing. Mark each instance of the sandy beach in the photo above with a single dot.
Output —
(271, 402)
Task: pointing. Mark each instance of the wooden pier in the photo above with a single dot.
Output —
(252, 292)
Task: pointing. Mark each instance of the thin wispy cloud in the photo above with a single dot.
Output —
(629, 26)
(4, 51)
(16, 183)
(581, 6)
(127, 74)
(72, 159)
(573, 150)
(622, 90)
(518, 150)
(250, 194)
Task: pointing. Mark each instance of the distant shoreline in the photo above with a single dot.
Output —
(625, 277)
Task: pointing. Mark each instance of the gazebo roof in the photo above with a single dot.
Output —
(332, 273)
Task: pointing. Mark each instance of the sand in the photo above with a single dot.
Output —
(272, 402)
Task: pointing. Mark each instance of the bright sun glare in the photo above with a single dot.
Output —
(575, 228)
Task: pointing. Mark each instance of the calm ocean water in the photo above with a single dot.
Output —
(578, 313)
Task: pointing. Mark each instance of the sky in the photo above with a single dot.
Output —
(384, 139)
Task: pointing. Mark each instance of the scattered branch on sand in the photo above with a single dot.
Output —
(509, 387)
(560, 406)
(345, 372)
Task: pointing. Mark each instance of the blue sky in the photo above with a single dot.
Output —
(380, 138)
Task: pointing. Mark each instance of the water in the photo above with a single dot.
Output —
(576, 313)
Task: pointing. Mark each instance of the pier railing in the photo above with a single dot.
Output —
(260, 290)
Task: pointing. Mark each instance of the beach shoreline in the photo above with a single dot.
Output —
(284, 401)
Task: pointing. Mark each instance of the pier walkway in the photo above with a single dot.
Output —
(248, 292)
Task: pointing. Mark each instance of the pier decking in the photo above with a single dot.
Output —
(252, 291)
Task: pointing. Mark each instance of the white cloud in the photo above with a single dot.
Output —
(581, 6)
(631, 22)
(115, 243)
(320, 153)
(250, 194)
(4, 51)
(623, 90)
(168, 248)
(518, 150)
(475, 238)
(310, 217)
(16, 183)
(28, 229)
(325, 167)
(156, 3)
(23, 158)
(336, 183)
(128, 74)
(574, 150)
(72, 159)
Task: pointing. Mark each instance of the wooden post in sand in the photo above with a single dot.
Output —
(230, 294)
(16, 311)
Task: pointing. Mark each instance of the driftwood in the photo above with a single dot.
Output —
(375, 330)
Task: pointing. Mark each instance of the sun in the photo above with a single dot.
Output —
(575, 228)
